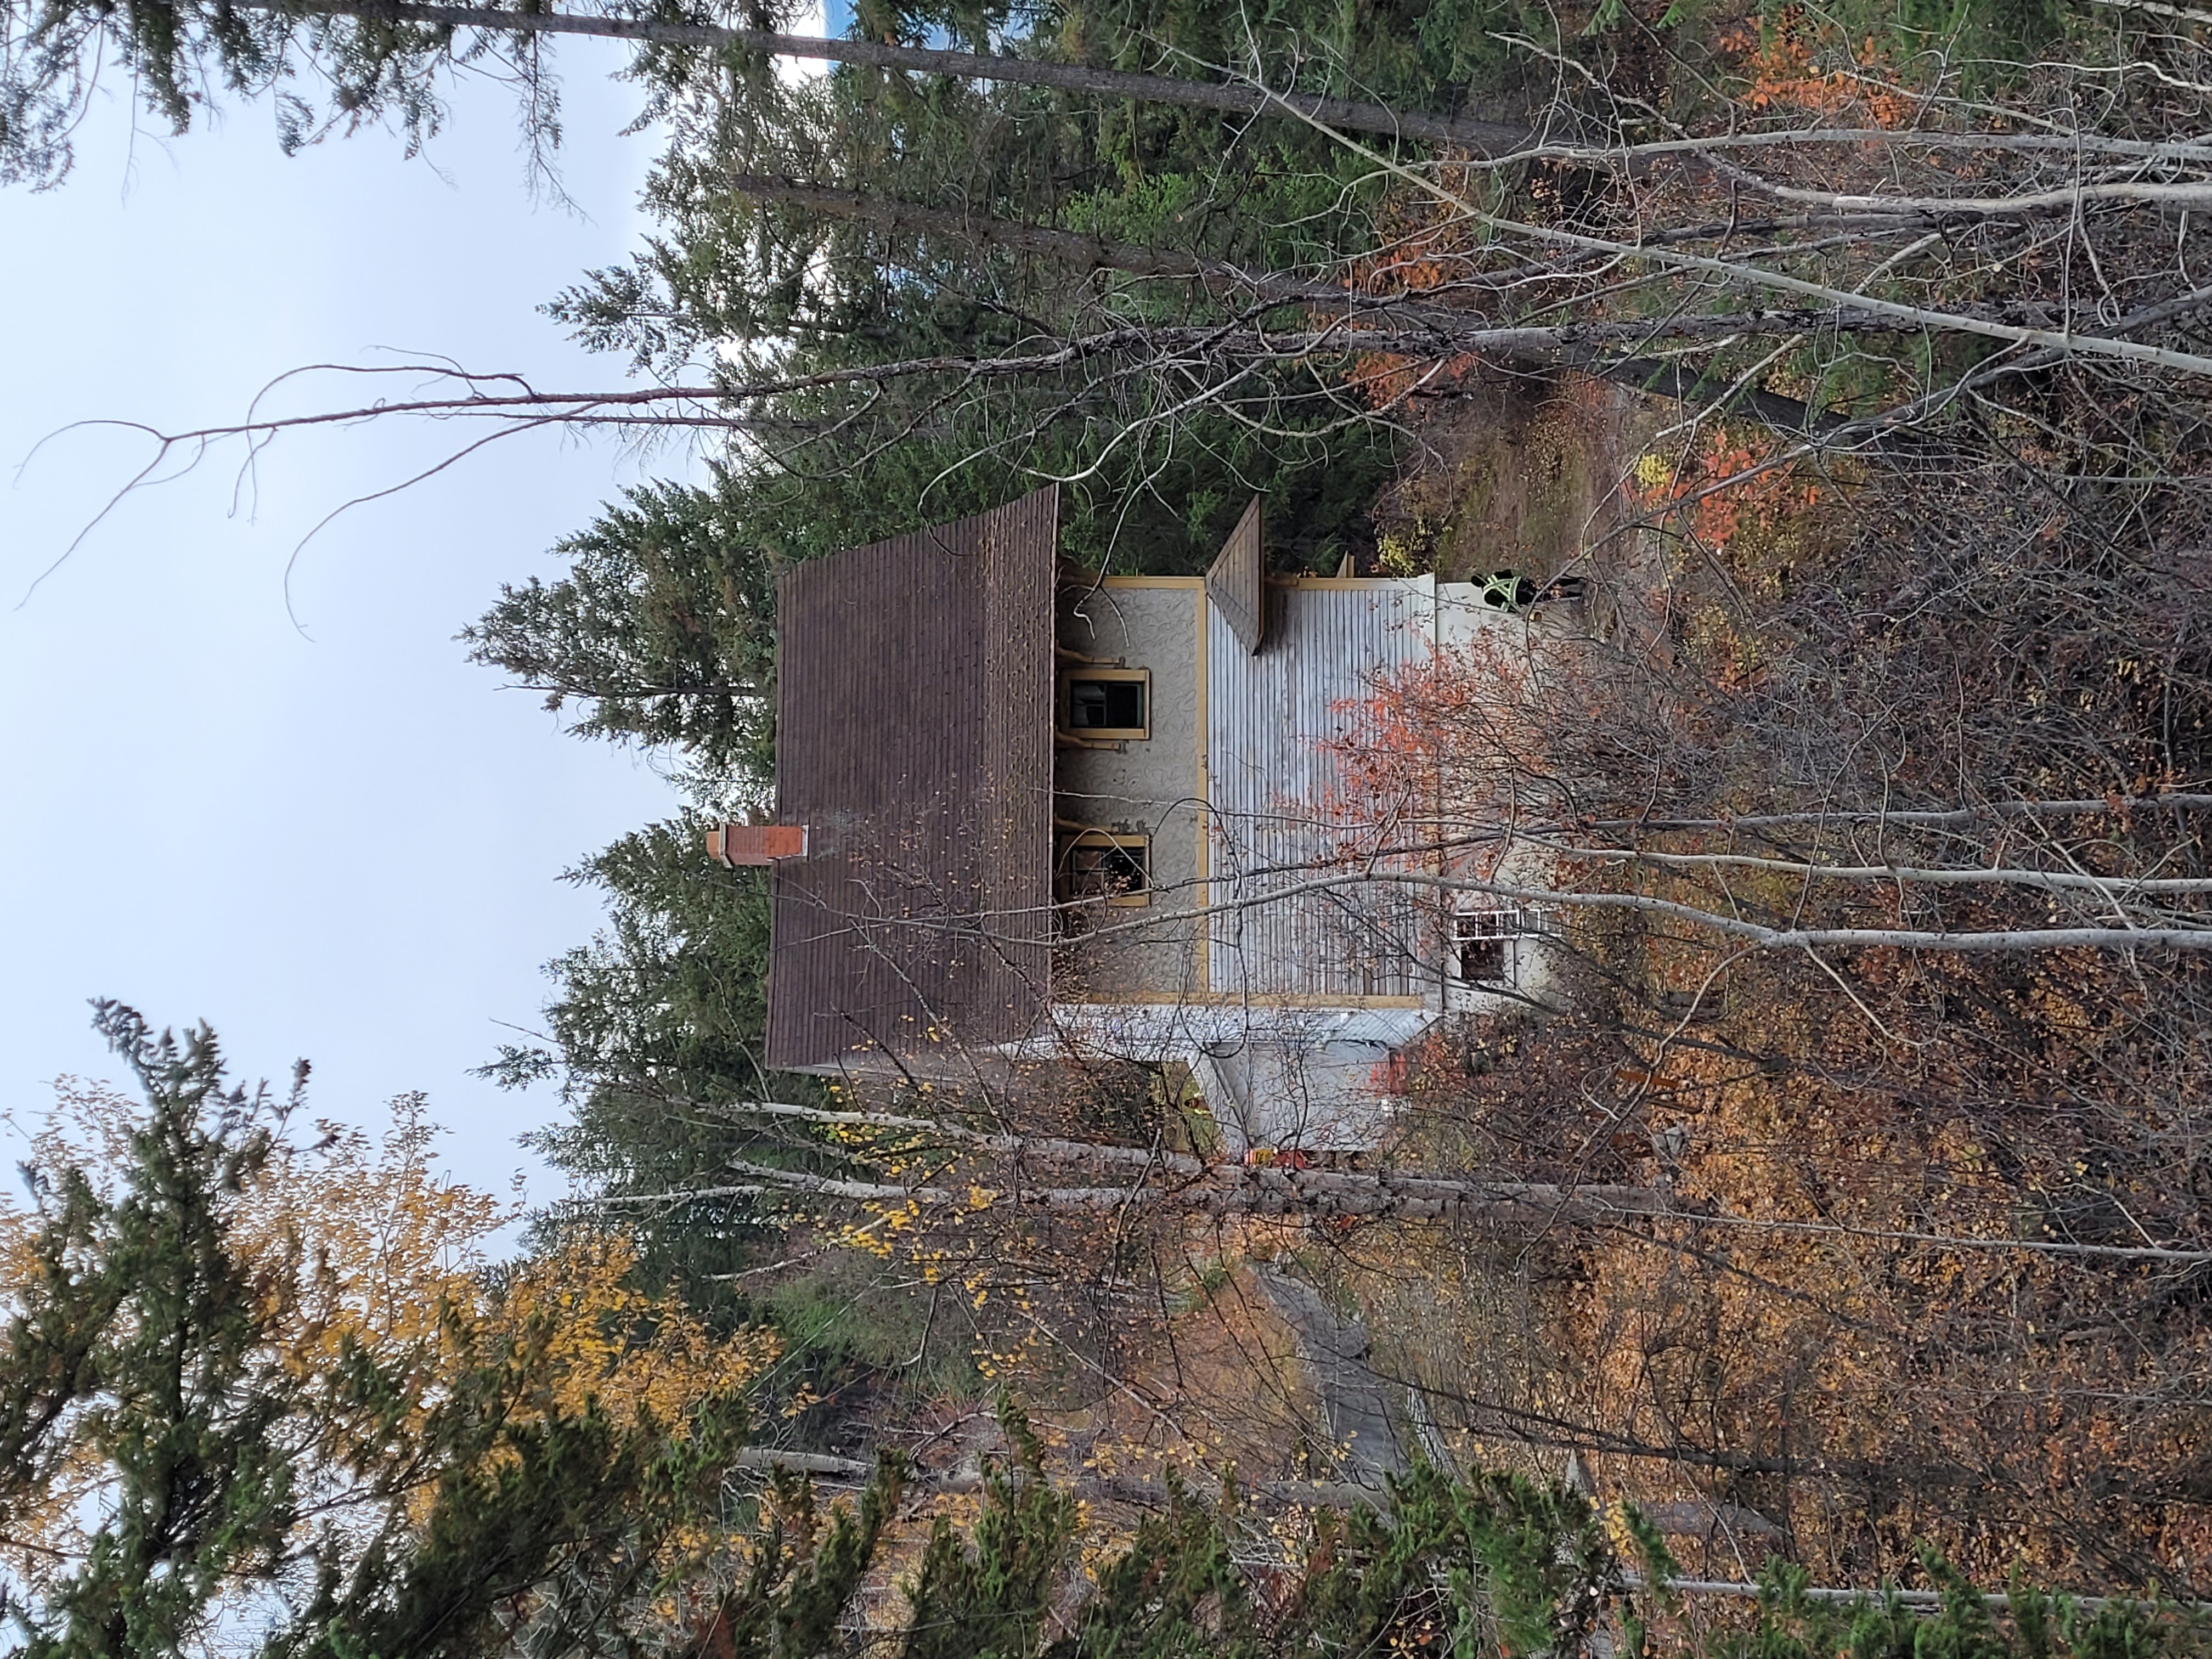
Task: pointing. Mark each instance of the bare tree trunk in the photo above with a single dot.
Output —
(2178, 934)
(1112, 1488)
(1196, 1181)
(1487, 137)
(1235, 1189)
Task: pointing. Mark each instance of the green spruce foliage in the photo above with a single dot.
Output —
(651, 1027)
(1485, 1568)
(661, 632)
(134, 1342)
(804, 1569)
(186, 1468)
(178, 52)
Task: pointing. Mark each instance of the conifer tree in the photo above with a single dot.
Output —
(135, 1348)
(668, 1001)
(242, 1407)
(661, 632)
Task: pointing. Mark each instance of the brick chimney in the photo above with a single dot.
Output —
(738, 845)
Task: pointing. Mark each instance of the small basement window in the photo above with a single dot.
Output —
(1116, 869)
(1479, 938)
(1107, 703)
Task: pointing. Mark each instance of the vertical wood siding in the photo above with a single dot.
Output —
(1236, 581)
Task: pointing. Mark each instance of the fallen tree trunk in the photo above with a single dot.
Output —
(1236, 1189)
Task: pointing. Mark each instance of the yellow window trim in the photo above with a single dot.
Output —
(1143, 896)
(1064, 704)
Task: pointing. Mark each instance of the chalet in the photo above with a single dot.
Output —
(1025, 810)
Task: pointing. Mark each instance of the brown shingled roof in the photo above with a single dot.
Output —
(914, 739)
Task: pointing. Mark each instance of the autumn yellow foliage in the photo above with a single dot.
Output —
(361, 1250)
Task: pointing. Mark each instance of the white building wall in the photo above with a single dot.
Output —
(1302, 999)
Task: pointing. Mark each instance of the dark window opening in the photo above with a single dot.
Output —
(1116, 869)
(1482, 961)
(1106, 705)
(1479, 938)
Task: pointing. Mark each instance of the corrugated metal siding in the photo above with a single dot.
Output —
(1274, 788)
(1175, 1031)
(1272, 1076)
(913, 712)
(1331, 1098)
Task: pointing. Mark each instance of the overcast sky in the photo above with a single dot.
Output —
(336, 839)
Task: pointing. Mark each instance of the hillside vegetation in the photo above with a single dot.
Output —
(1844, 1201)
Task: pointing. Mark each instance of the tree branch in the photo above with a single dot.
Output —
(1229, 97)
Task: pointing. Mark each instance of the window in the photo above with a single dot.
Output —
(1479, 938)
(1116, 869)
(1107, 703)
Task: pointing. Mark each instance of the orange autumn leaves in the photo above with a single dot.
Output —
(1429, 257)
(1728, 487)
(361, 1259)
(1788, 66)
(1782, 73)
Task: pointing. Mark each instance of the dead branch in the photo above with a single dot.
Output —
(1230, 98)
(1931, 817)
(1224, 1189)
(2117, 888)
(1753, 933)
(1737, 275)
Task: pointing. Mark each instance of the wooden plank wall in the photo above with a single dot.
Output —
(1236, 581)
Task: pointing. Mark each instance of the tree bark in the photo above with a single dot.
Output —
(1279, 1186)
(1484, 137)
(1939, 817)
(1112, 1488)
(1240, 1189)
(2158, 936)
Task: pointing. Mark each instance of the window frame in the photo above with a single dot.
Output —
(1064, 704)
(1519, 921)
(1498, 926)
(1064, 872)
